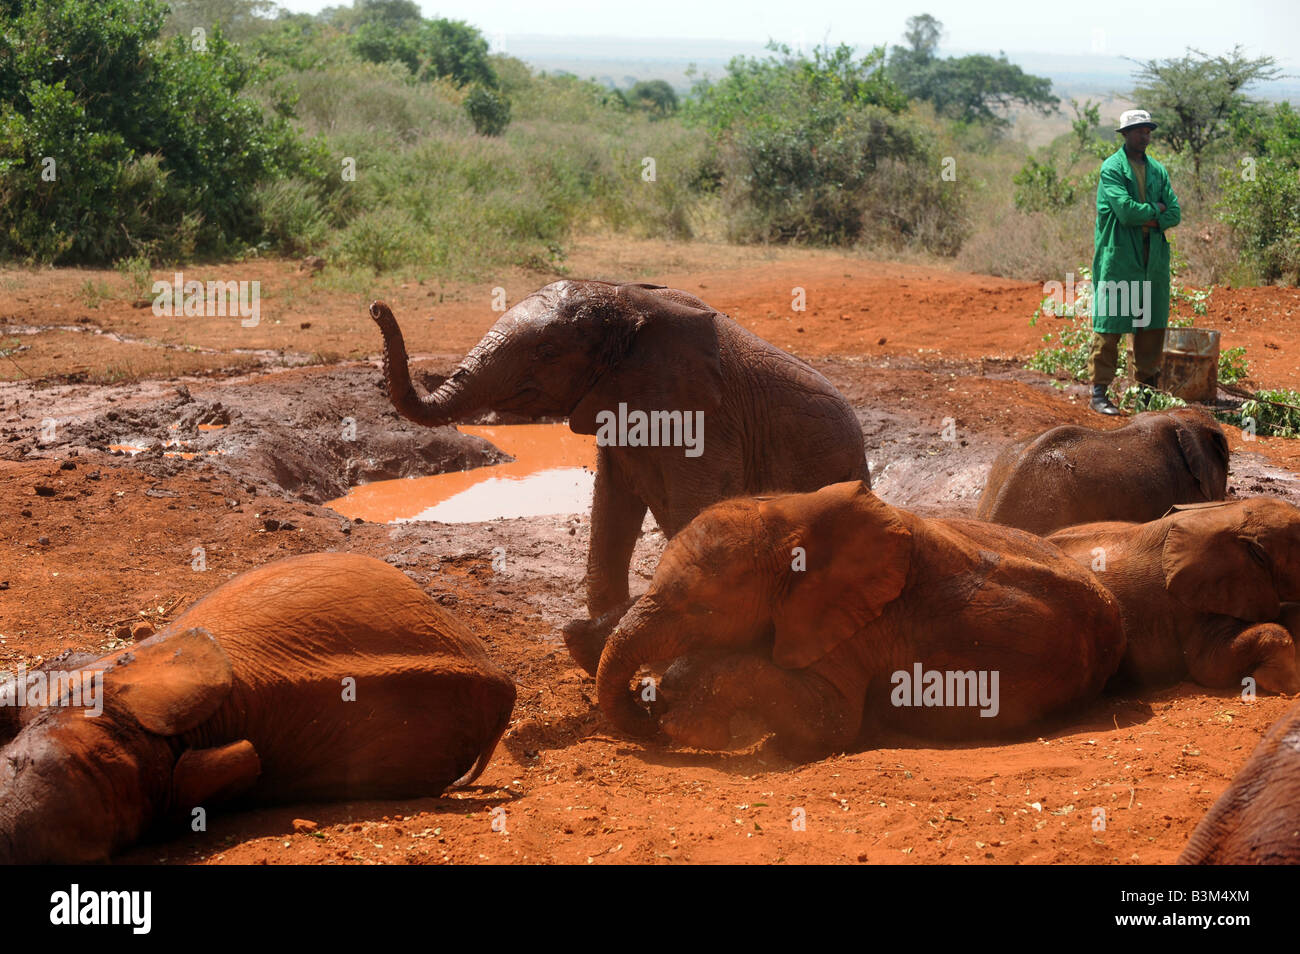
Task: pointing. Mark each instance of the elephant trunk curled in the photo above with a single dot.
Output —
(460, 394)
(638, 640)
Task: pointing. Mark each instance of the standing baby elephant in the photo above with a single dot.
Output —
(325, 676)
(1202, 591)
(745, 417)
(1257, 820)
(815, 614)
(1074, 474)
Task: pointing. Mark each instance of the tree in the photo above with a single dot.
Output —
(922, 35)
(1193, 97)
(238, 19)
(113, 143)
(655, 97)
(968, 88)
(908, 65)
(813, 149)
(428, 48)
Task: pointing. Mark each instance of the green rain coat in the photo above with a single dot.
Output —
(1119, 296)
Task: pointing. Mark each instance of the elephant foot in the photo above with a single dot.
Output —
(585, 638)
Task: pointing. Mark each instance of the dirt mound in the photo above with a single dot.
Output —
(312, 434)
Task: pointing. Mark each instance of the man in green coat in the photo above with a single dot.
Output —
(1130, 261)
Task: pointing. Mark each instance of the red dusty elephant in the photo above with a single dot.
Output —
(317, 677)
(1071, 474)
(590, 351)
(1202, 591)
(816, 615)
(1256, 821)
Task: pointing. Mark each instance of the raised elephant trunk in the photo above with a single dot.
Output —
(461, 394)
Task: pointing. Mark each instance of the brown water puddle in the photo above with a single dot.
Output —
(553, 472)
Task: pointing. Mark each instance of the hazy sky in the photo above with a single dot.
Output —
(1149, 28)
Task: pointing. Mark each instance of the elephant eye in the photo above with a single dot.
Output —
(546, 352)
(1258, 553)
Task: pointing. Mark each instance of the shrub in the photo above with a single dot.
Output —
(488, 111)
(814, 150)
(113, 143)
(1261, 197)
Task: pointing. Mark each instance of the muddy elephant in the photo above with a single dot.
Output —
(601, 354)
(317, 677)
(1203, 591)
(1256, 821)
(821, 616)
(1071, 474)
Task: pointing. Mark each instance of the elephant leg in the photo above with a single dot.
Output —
(207, 776)
(616, 517)
(809, 717)
(585, 638)
(1265, 651)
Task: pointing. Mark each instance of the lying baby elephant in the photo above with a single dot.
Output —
(818, 614)
(323, 676)
(1256, 821)
(1072, 474)
(1202, 591)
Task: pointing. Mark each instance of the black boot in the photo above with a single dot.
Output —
(1101, 402)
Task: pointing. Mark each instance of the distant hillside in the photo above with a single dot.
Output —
(621, 61)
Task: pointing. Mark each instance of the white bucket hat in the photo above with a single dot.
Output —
(1135, 117)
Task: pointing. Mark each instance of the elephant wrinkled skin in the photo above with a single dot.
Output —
(1202, 591)
(812, 652)
(1070, 474)
(1256, 821)
(243, 696)
(577, 349)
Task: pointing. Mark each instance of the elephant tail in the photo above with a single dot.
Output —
(493, 739)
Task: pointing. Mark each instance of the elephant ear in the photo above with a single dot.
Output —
(672, 361)
(1212, 564)
(858, 553)
(1205, 451)
(171, 684)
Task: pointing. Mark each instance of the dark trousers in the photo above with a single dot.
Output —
(1148, 346)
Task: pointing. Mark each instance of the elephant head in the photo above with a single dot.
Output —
(1240, 560)
(792, 576)
(75, 786)
(572, 349)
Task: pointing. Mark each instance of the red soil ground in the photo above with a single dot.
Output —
(109, 542)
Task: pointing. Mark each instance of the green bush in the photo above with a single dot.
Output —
(1233, 366)
(113, 143)
(488, 111)
(814, 150)
(1274, 413)
(1261, 195)
(1039, 187)
(429, 49)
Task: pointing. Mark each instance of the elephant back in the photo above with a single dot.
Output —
(301, 610)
